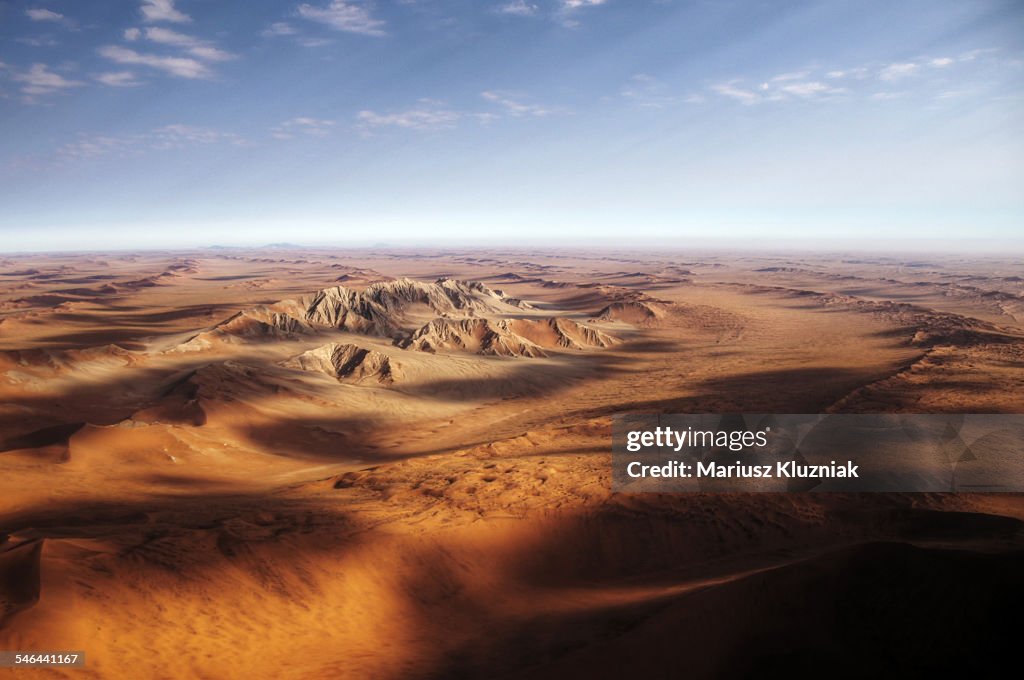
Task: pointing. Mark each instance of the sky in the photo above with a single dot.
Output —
(160, 123)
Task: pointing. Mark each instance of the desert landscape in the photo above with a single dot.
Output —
(289, 462)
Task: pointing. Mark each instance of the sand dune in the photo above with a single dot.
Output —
(221, 463)
(250, 325)
(635, 312)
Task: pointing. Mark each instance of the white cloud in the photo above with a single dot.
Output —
(429, 115)
(519, 8)
(92, 146)
(858, 73)
(561, 11)
(40, 80)
(39, 14)
(302, 125)
(345, 16)
(513, 106)
(869, 81)
(194, 46)
(182, 67)
(166, 36)
(279, 28)
(177, 136)
(189, 64)
(730, 90)
(898, 70)
(210, 53)
(974, 54)
(783, 87)
(567, 8)
(166, 138)
(809, 89)
(795, 75)
(163, 10)
(118, 79)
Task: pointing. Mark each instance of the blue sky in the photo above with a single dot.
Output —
(191, 122)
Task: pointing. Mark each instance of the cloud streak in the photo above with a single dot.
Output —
(191, 62)
(567, 9)
(730, 90)
(561, 11)
(428, 115)
(898, 71)
(513, 106)
(519, 8)
(302, 125)
(118, 79)
(39, 80)
(164, 138)
(431, 114)
(194, 46)
(154, 11)
(180, 67)
(864, 80)
(345, 16)
(40, 14)
(577, 4)
(278, 28)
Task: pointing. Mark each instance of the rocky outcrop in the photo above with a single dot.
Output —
(379, 308)
(507, 337)
(348, 363)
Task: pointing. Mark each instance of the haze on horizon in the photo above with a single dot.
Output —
(160, 123)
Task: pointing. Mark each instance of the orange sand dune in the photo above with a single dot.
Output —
(288, 463)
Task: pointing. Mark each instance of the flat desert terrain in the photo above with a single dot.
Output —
(394, 463)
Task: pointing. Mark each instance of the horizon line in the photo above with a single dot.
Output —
(948, 245)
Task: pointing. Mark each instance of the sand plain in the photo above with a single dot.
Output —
(297, 463)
